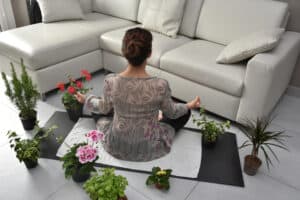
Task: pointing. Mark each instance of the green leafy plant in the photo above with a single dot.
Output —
(27, 149)
(23, 93)
(107, 186)
(260, 138)
(209, 128)
(160, 178)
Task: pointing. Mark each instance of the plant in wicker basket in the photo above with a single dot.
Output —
(160, 178)
(210, 129)
(107, 186)
(73, 107)
(24, 94)
(260, 138)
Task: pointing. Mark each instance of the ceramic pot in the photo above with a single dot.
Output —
(251, 165)
(80, 178)
(74, 113)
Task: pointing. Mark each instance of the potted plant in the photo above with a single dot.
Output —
(260, 138)
(79, 162)
(107, 186)
(160, 178)
(24, 94)
(210, 129)
(27, 150)
(73, 107)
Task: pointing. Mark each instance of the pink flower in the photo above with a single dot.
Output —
(95, 136)
(86, 154)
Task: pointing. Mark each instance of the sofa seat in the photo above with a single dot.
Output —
(42, 45)
(196, 61)
(112, 41)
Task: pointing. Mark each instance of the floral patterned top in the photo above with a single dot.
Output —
(134, 132)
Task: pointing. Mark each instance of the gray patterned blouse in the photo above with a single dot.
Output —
(134, 132)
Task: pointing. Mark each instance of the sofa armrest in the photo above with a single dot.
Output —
(267, 77)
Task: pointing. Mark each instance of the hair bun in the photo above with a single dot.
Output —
(133, 48)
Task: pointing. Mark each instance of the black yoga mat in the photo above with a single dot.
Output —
(220, 164)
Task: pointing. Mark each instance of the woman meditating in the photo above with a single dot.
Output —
(136, 131)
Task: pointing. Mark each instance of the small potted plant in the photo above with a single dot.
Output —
(260, 138)
(79, 162)
(160, 178)
(24, 94)
(73, 107)
(210, 129)
(27, 150)
(107, 186)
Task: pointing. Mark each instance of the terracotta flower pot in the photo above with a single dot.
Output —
(28, 124)
(251, 165)
(79, 178)
(123, 198)
(30, 163)
(74, 113)
(159, 186)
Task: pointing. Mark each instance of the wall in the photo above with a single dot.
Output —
(22, 19)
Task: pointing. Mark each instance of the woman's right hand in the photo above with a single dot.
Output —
(194, 103)
(80, 97)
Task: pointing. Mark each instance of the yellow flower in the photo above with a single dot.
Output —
(161, 173)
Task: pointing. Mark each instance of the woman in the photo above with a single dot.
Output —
(135, 132)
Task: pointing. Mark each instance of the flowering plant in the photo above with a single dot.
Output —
(82, 157)
(74, 86)
(160, 178)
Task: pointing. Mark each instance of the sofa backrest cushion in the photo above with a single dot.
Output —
(189, 20)
(225, 21)
(86, 5)
(125, 9)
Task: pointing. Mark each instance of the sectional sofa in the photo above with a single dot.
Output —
(248, 89)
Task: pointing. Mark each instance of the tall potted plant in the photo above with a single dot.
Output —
(79, 162)
(210, 129)
(73, 107)
(107, 186)
(24, 94)
(260, 138)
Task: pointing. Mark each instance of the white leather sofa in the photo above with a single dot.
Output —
(248, 89)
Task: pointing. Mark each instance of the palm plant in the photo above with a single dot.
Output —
(23, 93)
(261, 138)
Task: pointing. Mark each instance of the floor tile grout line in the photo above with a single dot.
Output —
(192, 190)
(281, 182)
(135, 189)
(56, 191)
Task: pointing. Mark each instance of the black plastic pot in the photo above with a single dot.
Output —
(75, 112)
(31, 163)
(209, 144)
(28, 124)
(80, 178)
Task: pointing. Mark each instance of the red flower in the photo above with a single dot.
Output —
(79, 84)
(60, 86)
(71, 90)
(86, 74)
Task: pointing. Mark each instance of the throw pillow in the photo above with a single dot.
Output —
(164, 16)
(250, 45)
(59, 10)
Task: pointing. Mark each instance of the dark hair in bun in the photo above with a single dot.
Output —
(137, 45)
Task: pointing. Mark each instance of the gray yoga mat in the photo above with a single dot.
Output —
(220, 164)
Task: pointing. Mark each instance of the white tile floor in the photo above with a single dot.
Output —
(47, 182)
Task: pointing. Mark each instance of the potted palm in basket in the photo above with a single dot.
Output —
(260, 138)
(73, 107)
(24, 94)
(107, 186)
(210, 129)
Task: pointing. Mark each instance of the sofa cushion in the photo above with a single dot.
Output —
(225, 21)
(196, 61)
(41, 45)
(118, 8)
(86, 5)
(112, 41)
(190, 16)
